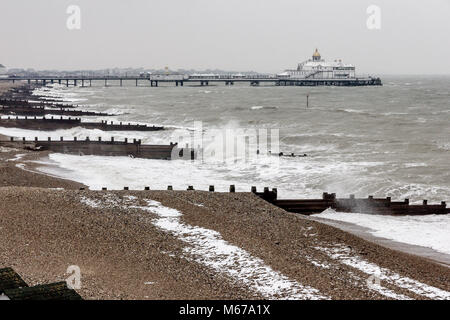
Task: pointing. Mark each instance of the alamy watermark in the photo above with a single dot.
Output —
(73, 21)
(74, 280)
(374, 19)
(226, 145)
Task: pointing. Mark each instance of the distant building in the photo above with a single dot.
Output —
(318, 68)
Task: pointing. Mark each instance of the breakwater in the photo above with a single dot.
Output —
(42, 111)
(371, 205)
(100, 147)
(53, 123)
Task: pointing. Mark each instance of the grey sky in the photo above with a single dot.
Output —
(260, 35)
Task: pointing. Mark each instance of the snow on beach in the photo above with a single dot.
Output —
(207, 247)
(346, 256)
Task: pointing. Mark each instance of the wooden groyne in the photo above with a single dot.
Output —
(99, 147)
(368, 205)
(34, 103)
(42, 111)
(383, 206)
(51, 124)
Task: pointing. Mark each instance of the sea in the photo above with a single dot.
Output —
(391, 140)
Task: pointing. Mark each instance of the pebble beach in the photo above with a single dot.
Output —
(190, 244)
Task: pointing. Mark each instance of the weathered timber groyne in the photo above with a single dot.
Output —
(33, 103)
(99, 147)
(41, 111)
(383, 206)
(51, 124)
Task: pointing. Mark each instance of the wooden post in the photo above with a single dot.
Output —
(126, 188)
(147, 188)
(232, 188)
(169, 188)
(190, 188)
(211, 188)
(253, 190)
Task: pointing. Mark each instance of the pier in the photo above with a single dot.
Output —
(180, 81)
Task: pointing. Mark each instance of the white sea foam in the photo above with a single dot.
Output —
(431, 231)
(346, 256)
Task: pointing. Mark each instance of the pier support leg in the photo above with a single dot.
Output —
(136, 82)
(181, 83)
(74, 82)
(59, 81)
(120, 82)
(90, 83)
(106, 82)
(67, 83)
(82, 82)
(29, 81)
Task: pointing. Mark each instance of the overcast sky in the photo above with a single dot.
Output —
(259, 35)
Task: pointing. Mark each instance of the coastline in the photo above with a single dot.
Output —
(364, 233)
(120, 251)
(126, 252)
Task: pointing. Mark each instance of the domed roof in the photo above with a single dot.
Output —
(316, 53)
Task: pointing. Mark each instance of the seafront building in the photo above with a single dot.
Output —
(318, 68)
